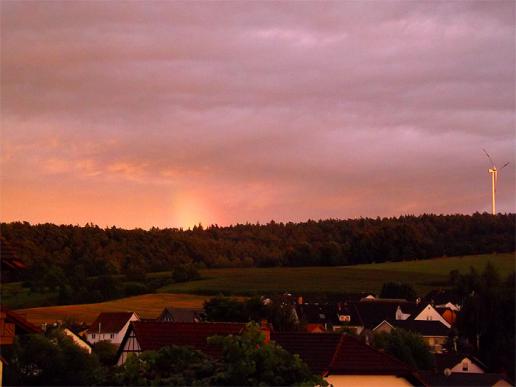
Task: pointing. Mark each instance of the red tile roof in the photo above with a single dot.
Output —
(316, 349)
(110, 322)
(22, 325)
(339, 354)
(153, 335)
(355, 357)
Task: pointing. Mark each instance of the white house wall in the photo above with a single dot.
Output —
(120, 336)
(472, 367)
(367, 381)
(130, 346)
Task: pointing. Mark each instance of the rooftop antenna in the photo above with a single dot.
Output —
(494, 179)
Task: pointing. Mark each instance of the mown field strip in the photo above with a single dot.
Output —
(147, 306)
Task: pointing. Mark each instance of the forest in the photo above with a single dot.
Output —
(98, 251)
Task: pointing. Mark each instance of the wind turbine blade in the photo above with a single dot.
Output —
(504, 165)
(489, 157)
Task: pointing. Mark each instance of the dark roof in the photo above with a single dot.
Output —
(355, 357)
(423, 327)
(328, 313)
(22, 325)
(153, 335)
(441, 296)
(110, 322)
(373, 312)
(8, 257)
(450, 360)
(460, 379)
(339, 354)
(316, 349)
(180, 314)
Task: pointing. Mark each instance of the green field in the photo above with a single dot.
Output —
(505, 263)
(424, 275)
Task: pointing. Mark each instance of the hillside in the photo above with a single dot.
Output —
(424, 275)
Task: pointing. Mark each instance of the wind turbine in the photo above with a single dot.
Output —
(494, 178)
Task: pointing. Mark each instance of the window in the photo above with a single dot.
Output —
(465, 366)
(93, 336)
(429, 317)
(112, 335)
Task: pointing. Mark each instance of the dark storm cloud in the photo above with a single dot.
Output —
(253, 111)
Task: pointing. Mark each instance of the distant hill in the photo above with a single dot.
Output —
(95, 251)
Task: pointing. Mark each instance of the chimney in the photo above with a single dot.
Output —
(264, 327)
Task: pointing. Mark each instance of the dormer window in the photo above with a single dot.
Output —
(465, 366)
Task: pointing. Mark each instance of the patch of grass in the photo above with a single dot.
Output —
(312, 280)
(147, 306)
(505, 263)
(14, 296)
(424, 275)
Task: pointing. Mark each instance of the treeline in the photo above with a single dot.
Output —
(96, 251)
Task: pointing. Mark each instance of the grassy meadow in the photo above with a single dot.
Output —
(424, 275)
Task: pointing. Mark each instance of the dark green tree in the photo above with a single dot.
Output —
(398, 290)
(249, 360)
(38, 360)
(105, 352)
(408, 347)
(184, 273)
(170, 366)
(225, 309)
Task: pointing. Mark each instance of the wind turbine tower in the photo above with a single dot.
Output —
(494, 179)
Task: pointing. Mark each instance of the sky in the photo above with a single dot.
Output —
(170, 113)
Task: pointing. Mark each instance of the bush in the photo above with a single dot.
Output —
(398, 290)
(106, 352)
(135, 288)
(184, 273)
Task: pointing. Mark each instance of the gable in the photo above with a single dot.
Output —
(130, 345)
(428, 313)
(384, 326)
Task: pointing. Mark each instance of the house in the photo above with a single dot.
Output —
(427, 312)
(12, 324)
(153, 335)
(11, 266)
(110, 326)
(181, 315)
(343, 360)
(459, 362)
(442, 297)
(434, 333)
(329, 317)
(77, 340)
(372, 312)
(448, 313)
(441, 379)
